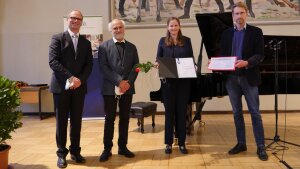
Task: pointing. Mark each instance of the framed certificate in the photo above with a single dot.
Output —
(222, 63)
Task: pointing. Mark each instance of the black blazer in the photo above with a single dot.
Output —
(175, 51)
(253, 51)
(114, 68)
(65, 63)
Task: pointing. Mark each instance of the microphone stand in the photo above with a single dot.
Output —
(275, 45)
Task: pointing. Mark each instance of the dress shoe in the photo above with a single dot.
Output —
(168, 149)
(62, 162)
(125, 152)
(105, 155)
(183, 149)
(237, 149)
(262, 155)
(185, 16)
(78, 158)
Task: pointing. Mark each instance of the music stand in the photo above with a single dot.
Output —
(275, 45)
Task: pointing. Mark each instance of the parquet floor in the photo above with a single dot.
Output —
(33, 145)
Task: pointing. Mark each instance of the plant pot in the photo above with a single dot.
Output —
(4, 158)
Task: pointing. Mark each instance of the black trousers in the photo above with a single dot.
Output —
(68, 104)
(110, 107)
(176, 93)
(187, 7)
(121, 6)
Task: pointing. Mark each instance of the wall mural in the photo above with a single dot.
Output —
(145, 13)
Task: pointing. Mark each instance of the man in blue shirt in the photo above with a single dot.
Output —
(246, 42)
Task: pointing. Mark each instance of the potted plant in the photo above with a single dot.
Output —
(10, 116)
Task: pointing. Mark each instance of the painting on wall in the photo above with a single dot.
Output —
(154, 13)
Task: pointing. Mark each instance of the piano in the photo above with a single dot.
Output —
(280, 78)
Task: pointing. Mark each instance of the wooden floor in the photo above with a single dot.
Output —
(33, 145)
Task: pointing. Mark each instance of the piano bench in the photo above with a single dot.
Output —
(140, 110)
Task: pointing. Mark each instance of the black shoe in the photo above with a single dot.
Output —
(237, 149)
(168, 149)
(123, 14)
(185, 16)
(105, 155)
(183, 149)
(62, 162)
(261, 152)
(78, 158)
(125, 152)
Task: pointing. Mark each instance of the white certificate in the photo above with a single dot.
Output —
(186, 68)
(222, 63)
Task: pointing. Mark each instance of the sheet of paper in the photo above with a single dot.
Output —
(68, 84)
(222, 63)
(117, 91)
(186, 68)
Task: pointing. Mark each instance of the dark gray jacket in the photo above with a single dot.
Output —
(114, 69)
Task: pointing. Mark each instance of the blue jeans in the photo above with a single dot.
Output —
(237, 86)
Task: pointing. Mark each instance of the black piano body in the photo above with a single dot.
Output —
(209, 85)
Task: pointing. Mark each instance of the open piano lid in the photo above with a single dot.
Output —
(211, 26)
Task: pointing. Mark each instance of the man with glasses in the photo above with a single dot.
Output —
(70, 58)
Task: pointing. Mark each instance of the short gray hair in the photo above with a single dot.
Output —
(75, 11)
(110, 24)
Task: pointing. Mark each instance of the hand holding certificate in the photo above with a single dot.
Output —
(222, 63)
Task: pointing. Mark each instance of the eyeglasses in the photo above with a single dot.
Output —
(75, 18)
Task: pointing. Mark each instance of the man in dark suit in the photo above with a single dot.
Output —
(246, 42)
(117, 59)
(70, 58)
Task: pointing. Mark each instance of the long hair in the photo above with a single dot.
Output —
(169, 40)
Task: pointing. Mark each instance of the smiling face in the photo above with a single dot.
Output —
(173, 27)
(239, 16)
(75, 21)
(118, 29)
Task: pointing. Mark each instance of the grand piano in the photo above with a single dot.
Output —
(280, 68)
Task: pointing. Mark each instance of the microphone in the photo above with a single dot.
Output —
(269, 43)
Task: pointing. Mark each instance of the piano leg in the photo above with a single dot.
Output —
(198, 115)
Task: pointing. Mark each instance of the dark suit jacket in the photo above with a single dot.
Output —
(252, 51)
(116, 69)
(63, 63)
(175, 51)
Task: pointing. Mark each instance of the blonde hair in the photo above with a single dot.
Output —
(241, 5)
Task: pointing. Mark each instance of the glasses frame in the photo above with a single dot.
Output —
(75, 18)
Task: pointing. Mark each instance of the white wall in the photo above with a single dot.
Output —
(26, 28)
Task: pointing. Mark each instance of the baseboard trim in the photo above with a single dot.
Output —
(230, 112)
